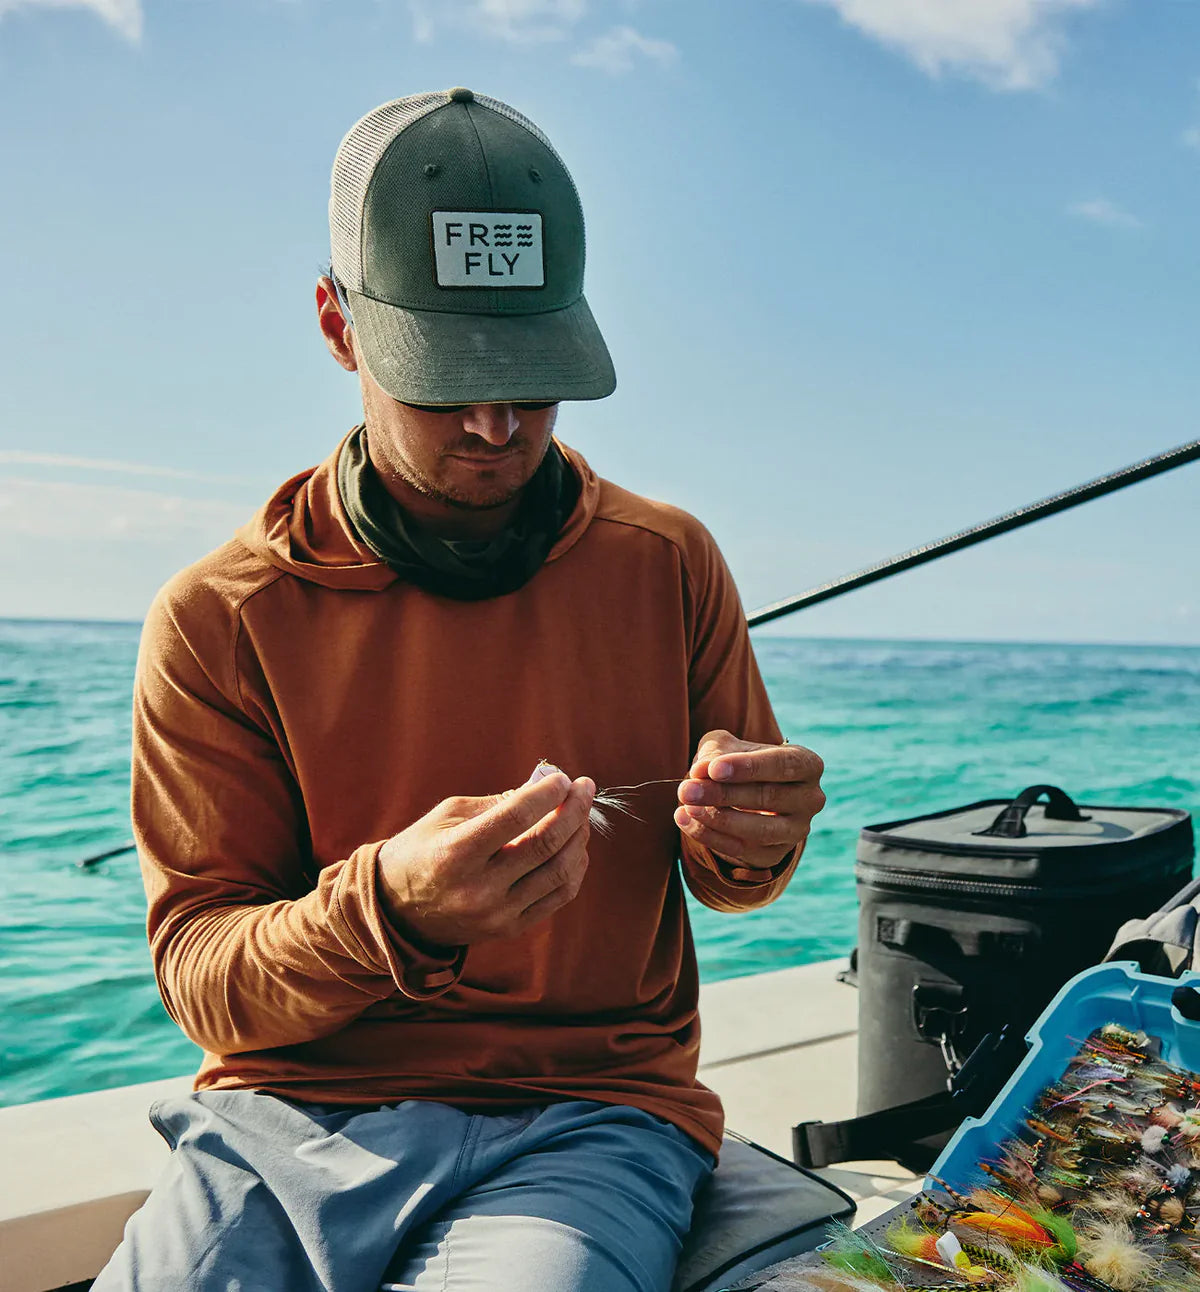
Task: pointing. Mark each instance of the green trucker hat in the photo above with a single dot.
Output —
(457, 234)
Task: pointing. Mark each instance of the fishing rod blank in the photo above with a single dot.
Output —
(104, 856)
(979, 533)
(930, 552)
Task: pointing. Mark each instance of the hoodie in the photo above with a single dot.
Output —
(297, 703)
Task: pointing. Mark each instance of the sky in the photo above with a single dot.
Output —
(871, 271)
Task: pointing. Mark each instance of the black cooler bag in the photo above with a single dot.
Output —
(974, 918)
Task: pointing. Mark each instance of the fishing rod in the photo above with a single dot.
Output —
(980, 533)
(929, 552)
(104, 856)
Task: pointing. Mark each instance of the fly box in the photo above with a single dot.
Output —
(1167, 1009)
(974, 918)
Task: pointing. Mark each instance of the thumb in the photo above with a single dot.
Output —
(466, 807)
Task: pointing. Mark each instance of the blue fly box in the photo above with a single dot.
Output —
(1109, 993)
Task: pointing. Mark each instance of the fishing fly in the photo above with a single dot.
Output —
(606, 802)
(1097, 1189)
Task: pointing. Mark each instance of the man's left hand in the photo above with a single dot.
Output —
(749, 803)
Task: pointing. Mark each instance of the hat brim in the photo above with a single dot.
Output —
(427, 357)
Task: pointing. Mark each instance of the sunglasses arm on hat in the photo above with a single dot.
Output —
(343, 304)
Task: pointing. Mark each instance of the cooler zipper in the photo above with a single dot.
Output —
(884, 875)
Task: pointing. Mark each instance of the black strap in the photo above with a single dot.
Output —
(1010, 824)
(874, 1135)
(890, 1132)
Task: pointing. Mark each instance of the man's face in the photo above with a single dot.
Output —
(460, 473)
(475, 459)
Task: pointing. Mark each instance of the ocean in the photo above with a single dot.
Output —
(904, 728)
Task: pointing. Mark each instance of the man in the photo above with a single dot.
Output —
(450, 1034)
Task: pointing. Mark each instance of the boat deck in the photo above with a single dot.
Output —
(781, 1048)
(778, 1047)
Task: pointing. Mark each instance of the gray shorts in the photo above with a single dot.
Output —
(265, 1195)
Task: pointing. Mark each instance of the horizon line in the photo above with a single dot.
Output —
(777, 636)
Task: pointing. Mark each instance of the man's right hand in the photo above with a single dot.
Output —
(477, 868)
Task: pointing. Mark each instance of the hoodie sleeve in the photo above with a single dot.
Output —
(251, 948)
(725, 691)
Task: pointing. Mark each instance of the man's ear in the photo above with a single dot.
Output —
(338, 334)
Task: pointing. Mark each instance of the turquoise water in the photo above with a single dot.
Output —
(903, 727)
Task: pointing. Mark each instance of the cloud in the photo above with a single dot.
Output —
(1101, 211)
(20, 457)
(1191, 137)
(1008, 44)
(424, 27)
(517, 22)
(615, 51)
(56, 509)
(534, 22)
(124, 16)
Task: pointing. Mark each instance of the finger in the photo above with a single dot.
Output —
(716, 743)
(552, 902)
(513, 813)
(748, 863)
(546, 837)
(751, 829)
(562, 874)
(767, 763)
(785, 797)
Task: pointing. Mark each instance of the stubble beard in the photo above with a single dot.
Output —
(499, 495)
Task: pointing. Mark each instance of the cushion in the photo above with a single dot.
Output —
(756, 1209)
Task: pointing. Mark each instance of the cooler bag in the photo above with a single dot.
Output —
(970, 921)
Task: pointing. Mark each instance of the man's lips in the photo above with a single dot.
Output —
(485, 459)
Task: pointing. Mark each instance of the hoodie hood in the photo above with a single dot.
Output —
(303, 528)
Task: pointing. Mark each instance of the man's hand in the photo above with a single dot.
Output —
(751, 804)
(476, 868)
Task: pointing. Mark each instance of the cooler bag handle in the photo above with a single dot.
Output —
(1010, 824)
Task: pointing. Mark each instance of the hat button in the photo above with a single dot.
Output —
(460, 94)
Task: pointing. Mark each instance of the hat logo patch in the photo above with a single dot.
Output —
(488, 249)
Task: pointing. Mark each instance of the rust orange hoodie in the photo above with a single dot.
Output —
(297, 704)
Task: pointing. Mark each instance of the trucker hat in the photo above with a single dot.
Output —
(457, 235)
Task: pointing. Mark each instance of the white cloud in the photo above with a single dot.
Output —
(20, 457)
(533, 22)
(125, 16)
(615, 51)
(56, 509)
(527, 10)
(1009, 44)
(515, 21)
(1099, 210)
(424, 27)
(1191, 137)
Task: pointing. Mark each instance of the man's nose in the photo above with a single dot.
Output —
(492, 422)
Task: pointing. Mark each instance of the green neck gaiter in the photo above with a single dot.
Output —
(463, 569)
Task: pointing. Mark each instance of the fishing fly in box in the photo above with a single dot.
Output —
(1082, 1176)
(972, 919)
(1109, 995)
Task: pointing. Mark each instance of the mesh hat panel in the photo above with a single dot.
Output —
(357, 156)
